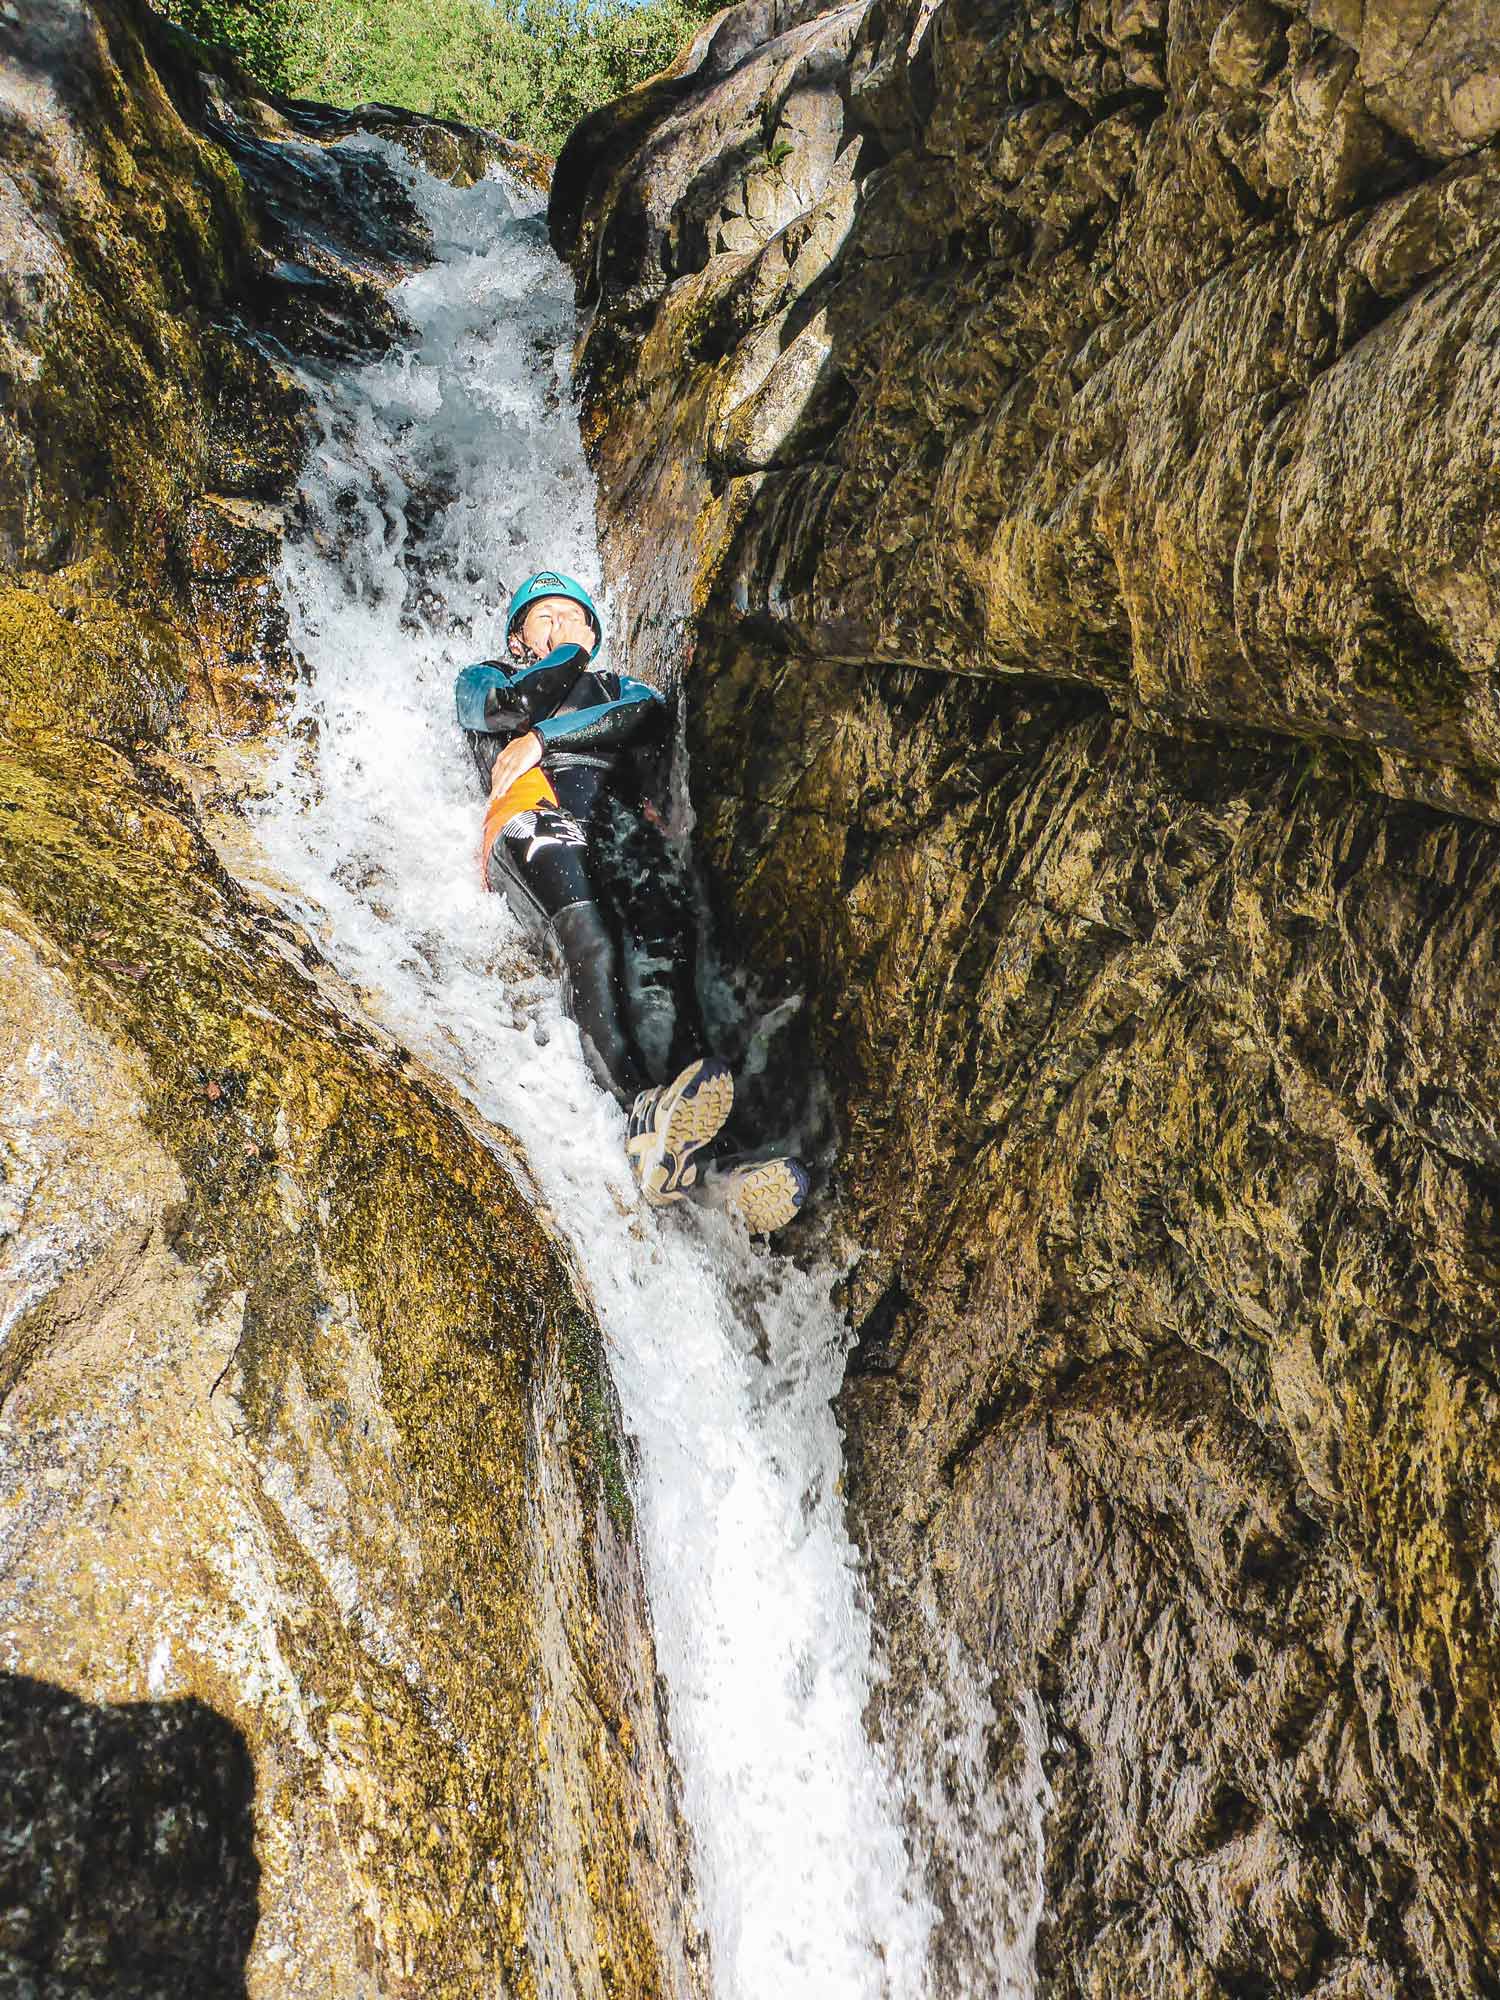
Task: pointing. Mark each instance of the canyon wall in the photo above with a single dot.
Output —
(1058, 439)
(326, 1667)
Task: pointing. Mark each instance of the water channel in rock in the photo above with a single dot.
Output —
(440, 474)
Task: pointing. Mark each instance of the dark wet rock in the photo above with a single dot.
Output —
(1059, 442)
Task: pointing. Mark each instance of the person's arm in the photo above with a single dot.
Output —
(608, 725)
(484, 702)
(520, 755)
(497, 701)
(539, 688)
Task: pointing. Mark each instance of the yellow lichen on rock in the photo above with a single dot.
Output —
(314, 1333)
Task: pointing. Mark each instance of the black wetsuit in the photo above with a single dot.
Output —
(582, 865)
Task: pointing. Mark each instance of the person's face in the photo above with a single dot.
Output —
(556, 621)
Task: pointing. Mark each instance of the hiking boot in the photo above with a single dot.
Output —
(669, 1126)
(763, 1194)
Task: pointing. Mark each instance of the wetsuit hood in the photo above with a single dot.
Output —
(552, 583)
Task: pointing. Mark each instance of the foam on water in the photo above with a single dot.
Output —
(441, 472)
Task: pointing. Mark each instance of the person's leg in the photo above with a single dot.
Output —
(648, 889)
(541, 861)
(592, 994)
(646, 884)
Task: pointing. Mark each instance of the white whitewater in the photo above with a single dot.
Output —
(443, 472)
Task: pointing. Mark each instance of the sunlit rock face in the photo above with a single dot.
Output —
(1066, 436)
(324, 1666)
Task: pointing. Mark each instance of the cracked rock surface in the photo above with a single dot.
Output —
(1061, 442)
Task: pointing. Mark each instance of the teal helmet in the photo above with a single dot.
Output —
(551, 583)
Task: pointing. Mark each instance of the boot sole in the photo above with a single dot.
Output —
(767, 1197)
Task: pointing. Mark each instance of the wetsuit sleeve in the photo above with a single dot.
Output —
(495, 701)
(482, 695)
(608, 725)
(540, 688)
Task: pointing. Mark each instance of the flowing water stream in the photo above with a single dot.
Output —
(440, 473)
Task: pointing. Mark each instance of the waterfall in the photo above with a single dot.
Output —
(440, 474)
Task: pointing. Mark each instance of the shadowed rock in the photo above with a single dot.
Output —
(127, 1856)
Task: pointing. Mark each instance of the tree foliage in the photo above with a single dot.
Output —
(258, 30)
(529, 69)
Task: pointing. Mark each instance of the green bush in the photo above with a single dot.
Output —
(260, 30)
(527, 68)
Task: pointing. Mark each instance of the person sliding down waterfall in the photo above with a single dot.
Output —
(575, 846)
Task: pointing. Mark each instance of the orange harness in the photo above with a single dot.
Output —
(532, 789)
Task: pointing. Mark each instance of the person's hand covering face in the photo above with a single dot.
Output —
(555, 621)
